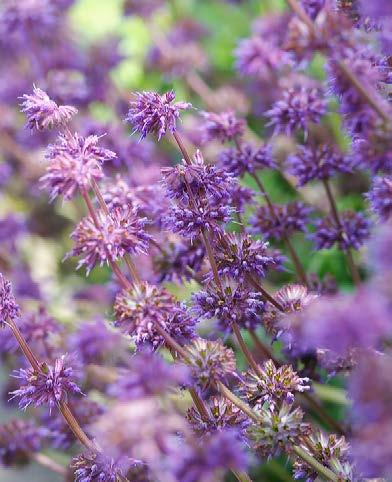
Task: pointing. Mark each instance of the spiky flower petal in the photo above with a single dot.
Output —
(380, 197)
(9, 309)
(248, 159)
(223, 127)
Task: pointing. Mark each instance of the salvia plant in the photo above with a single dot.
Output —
(230, 317)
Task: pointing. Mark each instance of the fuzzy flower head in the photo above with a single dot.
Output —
(93, 466)
(353, 232)
(210, 362)
(320, 162)
(296, 110)
(283, 221)
(74, 162)
(154, 113)
(235, 304)
(222, 127)
(278, 430)
(273, 385)
(43, 113)
(248, 159)
(144, 9)
(222, 414)
(19, 439)
(380, 197)
(379, 248)
(138, 311)
(50, 386)
(120, 232)
(239, 256)
(9, 309)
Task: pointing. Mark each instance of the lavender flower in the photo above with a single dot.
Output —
(317, 162)
(285, 220)
(151, 112)
(239, 197)
(374, 152)
(353, 231)
(248, 159)
(18, 440)
(140, 309)
(120, 232)
(313, 7)
(380, 197)
(376, 8)
(210, 362)
(94, 466)
(258, 57)
(50, 386)
(9, 309)
(297, 109)
(147, 375)
(222, 414)
(379, 247)
(235, 304)
(273, 385)
(223, 127)
(74, 161)
(239, 256)
(43, 113)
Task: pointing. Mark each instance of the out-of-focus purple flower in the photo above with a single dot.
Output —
(258, 57)
(341, 323)
(11, 227)
(317, 162)
(179, 259)
(5, 173)
(190, 220)
(145, 9)
(95, 343)
(24, 285)
(204, 461)
(376, 8)
(147, 374)
(151, 112)
(222, 414)
(43, 113)
(379, 247)
(119, 193)
(9, 309)
(374, 152)
(210, 362)
(240, 196)
(239, 256)
(353, 232)
(273, 385)
(18, 440)
(235, 304)
(312, 7)
(86, 412)
(199, 178)
(380, 197)
(248, 159)
(140, 309)
(48, 387)
(297, 108)
(121, 231)
(287, 219)
(74, 162)
(223, 127)
(94, 466)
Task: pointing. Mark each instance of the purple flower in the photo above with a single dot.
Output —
(285, 220)
(235, 304)
(18, 440)
(273, 385)
(43, 113)
(380, 197)
(210, 362)
(313, 7)
(121, 231)
(145, 9)
(74, 162)
(248, 159)
(376, 8)
(12, 227)
(9, 309)
(239, 197)
(199, 178)
(353, 231)
(223, 127)
(379, 247)
(140, 309)
(258, 57)
(95, 343)
(190, 220)
(151, 112)
(50, 386)
(119, 193)
(317, 162)
(239, 256)
(222, 414)
(374, 152)
(147, 374)
(296, 110)
(94, 466)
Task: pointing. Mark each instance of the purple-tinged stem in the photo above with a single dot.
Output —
(25, 347)
(182, 147)
(49, 463)
(252, 362)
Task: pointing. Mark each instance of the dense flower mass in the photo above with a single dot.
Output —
(380, 197)
(42, 112)
(247, 159)
(9, 309)
(222, 127)
(154, 113)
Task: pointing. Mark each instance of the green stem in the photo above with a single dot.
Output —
(321, 469)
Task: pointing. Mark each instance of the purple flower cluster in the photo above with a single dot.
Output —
(222, 127)
(9, 309)
(248, 159)
(380, 197)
